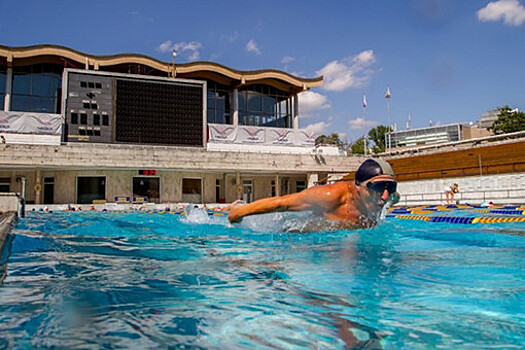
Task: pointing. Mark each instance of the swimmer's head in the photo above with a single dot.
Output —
(371, 168)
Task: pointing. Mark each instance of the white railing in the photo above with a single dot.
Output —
(498, 196)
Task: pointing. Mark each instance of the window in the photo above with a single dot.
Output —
(83, 118)
(300, 186)
(191, 190)
(90, 188)
(94, 105)
(218, 104)
(91, 85)
(98, 85)
(3, 79)
(105, 119)
(148, 187)
(5, 184)
(86, 105)
(96, 119)
(83, 84)
(82, 131)
(96, 132)
(36, 88)
(263, 105)
(74, 118)
(90, 132)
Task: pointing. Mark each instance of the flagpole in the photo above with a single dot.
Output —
(364, 121)
(389, 136)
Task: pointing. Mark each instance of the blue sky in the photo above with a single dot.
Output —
(444, 60)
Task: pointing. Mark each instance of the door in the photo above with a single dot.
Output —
(49, 190)
(247, 191)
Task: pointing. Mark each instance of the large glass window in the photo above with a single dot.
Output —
(37, 88)
(191, 190)
(147, 187)
(3, 75)
(90, 188)
(218, 103)
(263, 105)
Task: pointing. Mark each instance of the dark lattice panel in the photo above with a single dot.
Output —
(159, 113)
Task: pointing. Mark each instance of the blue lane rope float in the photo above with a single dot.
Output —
(499, 214)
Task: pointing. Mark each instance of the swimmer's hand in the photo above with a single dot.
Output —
(235, 215)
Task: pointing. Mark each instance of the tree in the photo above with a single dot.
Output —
(333, 139)
(508, 121)
(377, 135)
(358, 146)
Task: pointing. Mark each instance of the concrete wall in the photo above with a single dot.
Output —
(111, 156)
(501, 189)
(9, 202)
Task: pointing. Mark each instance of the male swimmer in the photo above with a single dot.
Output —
(350, 204)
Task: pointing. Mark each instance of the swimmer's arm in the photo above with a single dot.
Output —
(318, 197)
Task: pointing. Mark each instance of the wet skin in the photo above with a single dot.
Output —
(342, 201)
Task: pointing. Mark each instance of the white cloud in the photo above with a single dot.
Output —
(360, 124)
(350, 72)
(311, 102)
(190, 50)
(318, 128)
(287, 59)
(510, 11)
(252, 47)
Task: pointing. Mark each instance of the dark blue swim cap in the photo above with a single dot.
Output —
(370, 168)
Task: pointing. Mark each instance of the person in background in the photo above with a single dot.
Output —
(350, 204)
(450, 191)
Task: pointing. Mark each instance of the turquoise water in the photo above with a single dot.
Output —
(108, 280)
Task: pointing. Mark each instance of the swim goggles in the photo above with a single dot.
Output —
(381, 186)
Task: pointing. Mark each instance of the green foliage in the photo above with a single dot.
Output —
(333, 139)
(508, 121)
(377, 135)
(358, 147)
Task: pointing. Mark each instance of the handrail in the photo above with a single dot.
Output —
(504, 195)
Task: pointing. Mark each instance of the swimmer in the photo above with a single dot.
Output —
(350, 204)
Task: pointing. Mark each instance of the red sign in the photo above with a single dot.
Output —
(147, 172)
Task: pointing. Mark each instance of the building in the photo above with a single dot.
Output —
(129, 128)
(436, 134)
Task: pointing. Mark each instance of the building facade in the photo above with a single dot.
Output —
(129, 128)
(436, 135)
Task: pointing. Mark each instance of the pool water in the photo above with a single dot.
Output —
(137, 280)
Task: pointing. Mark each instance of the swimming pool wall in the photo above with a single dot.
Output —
(501, 189)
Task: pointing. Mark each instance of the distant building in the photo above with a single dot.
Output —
(436, 134)
(487, 119)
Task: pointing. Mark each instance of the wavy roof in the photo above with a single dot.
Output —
(205, 70)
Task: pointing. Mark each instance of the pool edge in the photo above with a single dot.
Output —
(7, 220)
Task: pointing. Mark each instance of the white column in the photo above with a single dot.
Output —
(277, 185)
(8, 89)
(296, 112)
(235, 106)
(312, 179)
(239, 185)
(38, 186)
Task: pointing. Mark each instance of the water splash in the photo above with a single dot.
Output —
(195, 215)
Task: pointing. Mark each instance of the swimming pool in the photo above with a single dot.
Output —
(138, 280)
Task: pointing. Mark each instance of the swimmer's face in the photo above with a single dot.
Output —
(380, 188)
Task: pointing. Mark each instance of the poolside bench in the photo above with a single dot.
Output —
(99, 201)
(122, 200)
(140, 200)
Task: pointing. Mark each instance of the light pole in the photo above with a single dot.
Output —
(364, 122)
(174, 73)
(387, 96)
